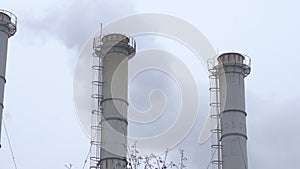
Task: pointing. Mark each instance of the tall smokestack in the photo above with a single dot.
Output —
(8, 27)
(114, 50)
(232, 69)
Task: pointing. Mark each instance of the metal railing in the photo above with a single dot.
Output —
(246, 64)
(12, 23)
(126, 42)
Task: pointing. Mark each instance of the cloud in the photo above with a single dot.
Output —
(272, 130)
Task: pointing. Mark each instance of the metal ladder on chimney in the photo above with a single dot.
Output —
(96, 114)
(215, 106)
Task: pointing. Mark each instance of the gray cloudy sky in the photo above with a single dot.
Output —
(39, 111)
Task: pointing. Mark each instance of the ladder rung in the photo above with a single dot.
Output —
(95, 143)
(97, 127)
(217, 161)
(97, 67)
(97, 112)
(97, 96)
(215, 103)
(94, 167)
(97, 83)
(94, 159)
(214, 89)
(216, 130)
(213, 75)
(214, 116)
(216, 146)
(212, 69)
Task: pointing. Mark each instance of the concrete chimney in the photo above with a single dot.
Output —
(115, 50)
(8, 27)
(232, 68)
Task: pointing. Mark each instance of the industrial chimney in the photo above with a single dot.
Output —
(113, 51)
(8, 27)
(232, 68)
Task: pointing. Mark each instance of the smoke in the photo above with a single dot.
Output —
(75, 23)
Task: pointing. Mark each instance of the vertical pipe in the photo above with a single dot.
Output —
(7, 29)
(116, 50)
(232, 70)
